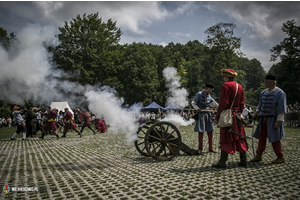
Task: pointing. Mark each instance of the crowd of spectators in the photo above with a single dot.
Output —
(293, 115)
(5, 122)
(159, 115)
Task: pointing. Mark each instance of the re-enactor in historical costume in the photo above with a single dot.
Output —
(20, 122)
(100, 125)
(202, 103)
(30, 117)
(86, 120)
(38, 123)
(230, 143)
(50, 124)
(271, 110)
(69, 123)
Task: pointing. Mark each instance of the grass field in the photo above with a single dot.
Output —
(105, 166)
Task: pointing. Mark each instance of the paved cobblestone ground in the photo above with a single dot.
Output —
(103, 166)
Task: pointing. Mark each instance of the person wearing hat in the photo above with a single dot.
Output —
(69, 123)
(201, 102)
(271, 110)
(50, 125)
(230, 143)
(20, 122)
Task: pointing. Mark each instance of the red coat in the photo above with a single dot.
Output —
(86, 118)
(51, 123)
(100, 125)
(69, 121)
(229, 142)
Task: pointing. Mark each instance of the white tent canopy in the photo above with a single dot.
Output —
(61, 106)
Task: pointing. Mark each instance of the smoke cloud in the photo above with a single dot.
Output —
(26, 75)
(104, 103)
(177, 120)
(176, 94)
(25, 68)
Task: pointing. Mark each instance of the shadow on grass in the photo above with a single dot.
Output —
(230, 165)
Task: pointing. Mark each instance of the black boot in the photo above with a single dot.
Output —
(222, 161)
(243, 160)
(57, 136)
(43, 135)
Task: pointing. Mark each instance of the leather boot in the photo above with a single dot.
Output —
(43, 135)
(222, 161)
(243, 159)
(279, 160)
(257, 158)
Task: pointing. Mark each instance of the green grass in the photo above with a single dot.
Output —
(6, 133)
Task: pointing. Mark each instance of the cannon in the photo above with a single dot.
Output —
(161, 141)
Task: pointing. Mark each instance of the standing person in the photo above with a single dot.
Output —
(230, 143)
(20, 122)
(86, 120)
(38, 123)
(50, 124)
(77, 118)
(271, 110)
(9, 122)
(30, 116)
(69, 123)
(204, 123)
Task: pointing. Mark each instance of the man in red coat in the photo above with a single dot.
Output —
(86, 120)
(50, 125)
(230, 143)
(100, 125)
(69, 123)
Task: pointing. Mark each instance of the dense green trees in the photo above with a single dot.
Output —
(139, 75)
(7, 40)
(89, 53)
(288, 69)
(89, 50)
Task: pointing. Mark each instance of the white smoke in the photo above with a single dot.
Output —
(105, 104)
(24, 68)
(177, 120)
(176, 94)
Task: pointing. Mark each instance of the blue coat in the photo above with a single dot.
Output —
(270, 105)
(202, 102)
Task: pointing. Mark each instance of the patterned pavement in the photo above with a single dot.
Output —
(104, 166)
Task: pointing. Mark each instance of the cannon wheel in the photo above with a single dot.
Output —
(162, 141)
(140, 138)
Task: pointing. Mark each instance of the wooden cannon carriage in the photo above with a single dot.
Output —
(161, 141)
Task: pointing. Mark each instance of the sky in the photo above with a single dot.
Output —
(258, 23)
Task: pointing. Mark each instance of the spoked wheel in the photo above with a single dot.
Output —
(162, 141)
(140, 139)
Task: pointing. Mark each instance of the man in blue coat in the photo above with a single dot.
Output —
(201, 102)
(271, 110)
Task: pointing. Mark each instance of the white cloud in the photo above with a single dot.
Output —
(264, 19)
(133, 16)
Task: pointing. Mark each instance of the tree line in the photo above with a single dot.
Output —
(89, 53)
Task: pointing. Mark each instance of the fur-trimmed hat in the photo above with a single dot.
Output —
(270, 77)
(209, 85)
(229, 73)
(15, 108)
